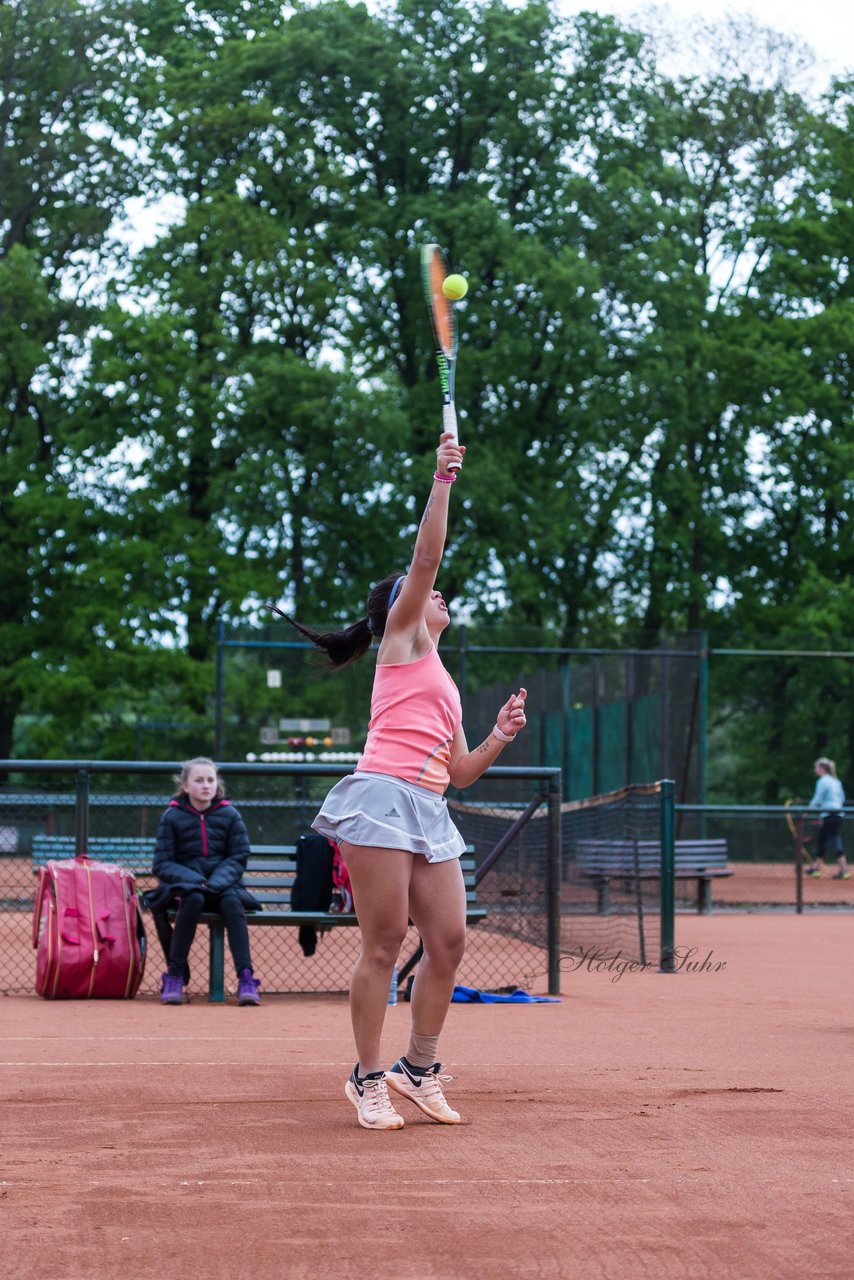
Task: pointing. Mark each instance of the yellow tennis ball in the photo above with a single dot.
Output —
(455, 287)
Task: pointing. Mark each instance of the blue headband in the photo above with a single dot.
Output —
(394, 592)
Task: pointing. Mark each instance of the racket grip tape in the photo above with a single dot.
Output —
(449, 423)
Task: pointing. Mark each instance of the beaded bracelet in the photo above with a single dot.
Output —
(503, 737)
(444, 479)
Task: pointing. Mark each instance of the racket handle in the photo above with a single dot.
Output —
(449, 423)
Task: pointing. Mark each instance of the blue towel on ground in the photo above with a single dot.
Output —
(471, 995)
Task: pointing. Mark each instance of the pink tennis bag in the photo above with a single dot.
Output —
(88, 929)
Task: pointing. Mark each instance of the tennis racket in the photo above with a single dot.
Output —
(797, 826)
(434, 272)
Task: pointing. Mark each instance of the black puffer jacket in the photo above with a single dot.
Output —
(200, 851)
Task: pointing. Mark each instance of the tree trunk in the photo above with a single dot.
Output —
(10, 706)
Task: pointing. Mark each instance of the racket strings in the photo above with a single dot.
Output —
(443, 314)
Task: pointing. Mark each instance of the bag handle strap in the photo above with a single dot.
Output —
(101, 930)
(44, 877)
(66, 937)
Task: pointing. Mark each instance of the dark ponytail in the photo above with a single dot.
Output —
(344, 647)
(341, 647)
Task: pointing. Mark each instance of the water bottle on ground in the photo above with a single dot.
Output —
(392, 990)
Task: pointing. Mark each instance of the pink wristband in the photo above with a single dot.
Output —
(444, 479)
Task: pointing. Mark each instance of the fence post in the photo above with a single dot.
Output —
(668, 883)
(702, 740)
(81, 814)
(664, 752)
(461, 657)
(628, 718)
(219, 681)
(799, 868)
(566, 754)
(553, 877)
(595, 730)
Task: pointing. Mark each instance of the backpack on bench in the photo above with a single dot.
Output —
(321, 884)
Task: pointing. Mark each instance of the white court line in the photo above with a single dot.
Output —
(292, 1064)
(174, 1039)
(419, 1182)
(175, 1062)
(363, 1182)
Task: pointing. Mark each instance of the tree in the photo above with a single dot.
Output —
(457, 125)
(794, 586)
(260, 453)
(63, 177)
(653, 364)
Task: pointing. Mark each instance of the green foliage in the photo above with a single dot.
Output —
(64, 176)
(655, 373)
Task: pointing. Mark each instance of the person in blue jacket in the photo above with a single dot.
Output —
(199, 858)
(829, 799)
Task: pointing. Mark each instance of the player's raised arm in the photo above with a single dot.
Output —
(408, 606)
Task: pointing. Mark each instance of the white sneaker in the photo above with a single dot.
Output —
(369, 1095)
(424, 1088)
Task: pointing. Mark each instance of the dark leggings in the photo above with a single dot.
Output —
(830, 833)
(192, 905)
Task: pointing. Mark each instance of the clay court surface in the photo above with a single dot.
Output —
(689, 1126)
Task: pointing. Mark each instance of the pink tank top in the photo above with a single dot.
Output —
(415, 712)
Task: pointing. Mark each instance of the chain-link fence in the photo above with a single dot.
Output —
(511, 818)
(606, 718)
(612, 874)
(770, 849)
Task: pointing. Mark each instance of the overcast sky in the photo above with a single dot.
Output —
(826, 25)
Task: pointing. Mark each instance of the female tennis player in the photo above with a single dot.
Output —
(829, 798)
(390, 818)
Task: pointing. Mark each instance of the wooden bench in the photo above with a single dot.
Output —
(606, 860)
(269, 877)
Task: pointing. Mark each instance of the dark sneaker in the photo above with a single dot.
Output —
(247, 988)
(814, 872)
(369, 1095)
(423, 1086)
(172, 989)
(842, 875)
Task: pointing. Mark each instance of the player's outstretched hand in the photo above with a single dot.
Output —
(511, 718)
(450, 454)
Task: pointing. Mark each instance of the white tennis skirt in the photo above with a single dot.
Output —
(379, 811)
